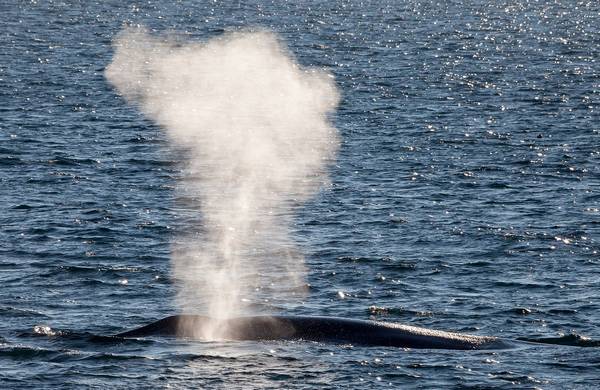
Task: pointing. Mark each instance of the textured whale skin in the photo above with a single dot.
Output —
(320, 329)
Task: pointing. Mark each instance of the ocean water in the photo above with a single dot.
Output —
(465, 196)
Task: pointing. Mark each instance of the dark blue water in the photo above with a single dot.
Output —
(466, 196)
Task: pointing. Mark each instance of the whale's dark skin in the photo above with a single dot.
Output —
(320, 329)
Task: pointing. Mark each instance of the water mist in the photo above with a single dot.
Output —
(255, 127)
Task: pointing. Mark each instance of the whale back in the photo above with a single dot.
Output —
(320, 329)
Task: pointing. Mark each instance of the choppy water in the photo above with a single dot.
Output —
(466, 196)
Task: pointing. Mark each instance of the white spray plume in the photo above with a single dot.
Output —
(256, 126)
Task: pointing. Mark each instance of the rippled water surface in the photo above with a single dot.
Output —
(466, 196)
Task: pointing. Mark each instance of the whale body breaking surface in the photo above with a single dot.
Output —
(320, 329)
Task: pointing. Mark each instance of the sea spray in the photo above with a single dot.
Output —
(255, 127)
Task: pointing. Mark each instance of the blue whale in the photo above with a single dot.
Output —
(320, 329)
